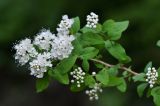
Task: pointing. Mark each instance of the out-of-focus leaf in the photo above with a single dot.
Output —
(139, 77)
(89, 81)
(141, 88)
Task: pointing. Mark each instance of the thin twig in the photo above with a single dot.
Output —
(110, 65)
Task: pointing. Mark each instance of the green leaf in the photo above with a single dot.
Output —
(76, 25)
(103, 76)
(114, 29)
(122, 86)
(74, 87)
(85, 65)
(149, 64)
(42, 83)
(148, 93)
(98, 28)
(90, 38)
(114, 81)
(125, 74)
(109, 43)
(66, 64)
(62, 78)
(100, 66)
(94, 30)
(158, 43)
(89, 53)
(156, 95)
(141, 88)
(120, 83)
(139, 77)
(118, 52)
(113, 71)
(77, 45)
(89, 81)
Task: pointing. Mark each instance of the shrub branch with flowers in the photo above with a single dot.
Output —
(74, 57)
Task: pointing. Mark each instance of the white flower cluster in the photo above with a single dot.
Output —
(92, 20)
(64, 25)
(44, 39)
(152, 76)
(45, 48)
(24, 50)
(62, 46)
(93, 93)
(39, 65)
(78, 76)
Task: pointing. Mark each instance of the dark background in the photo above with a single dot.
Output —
(24, 18)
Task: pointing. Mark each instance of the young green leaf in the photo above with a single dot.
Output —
(141, 88)
(89, 81)
(125, 74)
(42, 83)
(114, 29)
(103, 77)
(118, 52)
(62, 78)
(85, 65)
(76, 25)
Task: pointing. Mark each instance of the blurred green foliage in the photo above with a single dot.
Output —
(24, 18)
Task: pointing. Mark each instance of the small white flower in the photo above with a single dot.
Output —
(62, 47)
(152, 76)
(92, 20)
(39, 65)
(78, 76)
(65, 25)
(25, 51)
(93, 73)
(93, 93)
(44, 39)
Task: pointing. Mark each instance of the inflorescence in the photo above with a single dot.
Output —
(78, 76)
(152, 76)
(45, 48)
(92, 20)
(93, 93)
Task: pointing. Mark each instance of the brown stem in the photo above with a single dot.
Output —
(110, 65)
